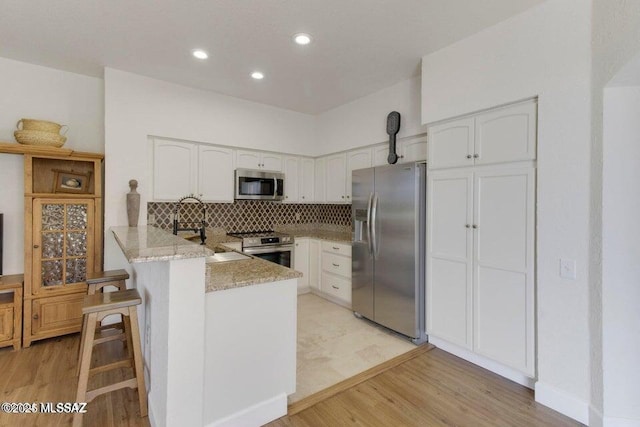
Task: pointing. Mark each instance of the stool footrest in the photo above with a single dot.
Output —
(124, 363)
(130, 383)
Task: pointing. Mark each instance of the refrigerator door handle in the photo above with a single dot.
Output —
(369, 242)
(374, 216)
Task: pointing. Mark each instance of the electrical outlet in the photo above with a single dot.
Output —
(568, 268)
(152, 219)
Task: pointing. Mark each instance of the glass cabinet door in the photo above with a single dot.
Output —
(62, 242)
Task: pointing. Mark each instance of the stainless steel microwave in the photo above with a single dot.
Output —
(259, 185)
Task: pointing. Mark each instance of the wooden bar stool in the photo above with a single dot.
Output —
(97, 281)
(95, 308)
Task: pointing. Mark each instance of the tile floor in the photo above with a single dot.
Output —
(334, 345)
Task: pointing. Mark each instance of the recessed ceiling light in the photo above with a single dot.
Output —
(257, 75)
(199, 53)
(302, 38)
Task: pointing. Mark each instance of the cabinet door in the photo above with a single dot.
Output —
(320, 183)
(449, 256)
(271, 162)
(57, 315)
(307, 171)
(301, 263)
(6, 324)
(359, 159)
(336, 178)
(291, 180)
(506, 134)
(248, 159)
(215, 173)
(413, 150)
(63, 244)
(451, 144)
(503, 267)
(174, 169)
(314, 264)
(380, 153)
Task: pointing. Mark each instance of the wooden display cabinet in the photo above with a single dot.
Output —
(63, 241)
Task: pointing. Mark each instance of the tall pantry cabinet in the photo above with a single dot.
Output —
(63, 240)
(480, 234)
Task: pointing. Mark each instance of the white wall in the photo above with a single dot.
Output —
(620, 267)
(137, 106)
(545, 52)
(31, 91)
(364, 121)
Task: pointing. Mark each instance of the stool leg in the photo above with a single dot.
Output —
(82, 335)
(126, 324)
(85, 364)
(137, 356)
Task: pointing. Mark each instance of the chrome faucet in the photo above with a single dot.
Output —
(176, 219)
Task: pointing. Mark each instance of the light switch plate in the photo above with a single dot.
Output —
(567, 268)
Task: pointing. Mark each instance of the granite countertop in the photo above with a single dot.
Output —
(247, 272)
(148, 243)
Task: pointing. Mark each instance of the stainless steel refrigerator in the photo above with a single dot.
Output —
(388, 264)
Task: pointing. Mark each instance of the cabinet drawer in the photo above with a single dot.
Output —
(336, 264)
(337, 248)
(6, 324)
(62, 314)
(336, 286)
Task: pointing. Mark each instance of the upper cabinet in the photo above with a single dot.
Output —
(502, 135)
(306, 182)
(174, 169)
(182, 168)
(409, 150)
(215, 173)
(291, 179)
(319, 184)
(247, 159)
(336, 178)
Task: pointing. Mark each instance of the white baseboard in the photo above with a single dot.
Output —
(330, 298)
(562, 402)
(256, 415)
(303, 289)
(620, 422)
(491, 365)
(595, 417)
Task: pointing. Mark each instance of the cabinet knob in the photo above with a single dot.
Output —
(36, 246)
(35, 316)
(303, 197)
(467, 226)
(343, 197)
(468, 156)
(475, 226)
(475, 156)
(286, 197)
(348, 197)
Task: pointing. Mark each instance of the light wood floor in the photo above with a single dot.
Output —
(46, 372)
(432, 389)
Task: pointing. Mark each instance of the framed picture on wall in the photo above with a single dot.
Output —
(71, 182)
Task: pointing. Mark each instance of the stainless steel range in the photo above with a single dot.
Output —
(268, 245)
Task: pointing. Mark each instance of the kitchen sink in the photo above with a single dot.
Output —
(226, 256)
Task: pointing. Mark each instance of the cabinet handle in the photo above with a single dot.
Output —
(335, 248)
(475, 226)
(335, 265)
(36, 246)
(467, 225)
(468, 156)
(475, 156)
(35, 316)
(335, 287)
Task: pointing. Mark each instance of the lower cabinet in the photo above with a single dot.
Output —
(301, 263)
(57, 315)
(6, 324)
(315, 262)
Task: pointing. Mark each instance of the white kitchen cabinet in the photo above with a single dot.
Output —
(248, 159)
(357, 159)
(314, 264)
(215, 174)
(335, 274)
(480, 254)
(379, 154)
(306, 182)
(291, 179)
(320, 184)
(505, 134)
(174, 169)
(413, 149)
(336, 178)
(301, 263)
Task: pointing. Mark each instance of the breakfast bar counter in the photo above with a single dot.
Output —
(225, 328)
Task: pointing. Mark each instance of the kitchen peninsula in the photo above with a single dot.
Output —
(219, 338)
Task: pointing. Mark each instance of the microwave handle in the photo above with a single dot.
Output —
(275, 187)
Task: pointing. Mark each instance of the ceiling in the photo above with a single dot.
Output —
(359, 46)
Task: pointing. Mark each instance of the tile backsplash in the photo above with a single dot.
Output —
(249, 215)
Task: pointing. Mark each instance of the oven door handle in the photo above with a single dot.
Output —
(263, 250)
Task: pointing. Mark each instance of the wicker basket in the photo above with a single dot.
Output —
(36, 137)
(41, 125)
